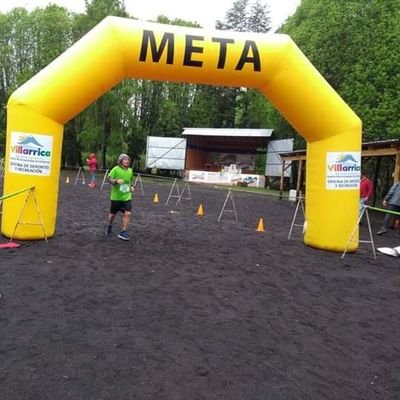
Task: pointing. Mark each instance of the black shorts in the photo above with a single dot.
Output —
(120, 206)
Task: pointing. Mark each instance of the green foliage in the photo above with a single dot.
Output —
(162, 19)
(202, 109)
(97, 10)
(121, 119)
(258, 19)
(261, 160)
(354, 44)
(245, 16)
(253, 109)
(51, 34)
(4, 72)
(236, 17)
(71, 151)
(241, 107)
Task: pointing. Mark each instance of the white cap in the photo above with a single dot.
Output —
(122, 156)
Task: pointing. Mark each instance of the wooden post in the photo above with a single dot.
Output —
(282, 176)
(396, 174)
(299, 176)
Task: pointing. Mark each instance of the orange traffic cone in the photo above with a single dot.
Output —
(67, 180)
(155, 200)
(260, 227)
(200, 211)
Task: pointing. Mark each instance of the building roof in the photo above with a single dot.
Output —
(227, 140)
(230, 132)
(387, 147)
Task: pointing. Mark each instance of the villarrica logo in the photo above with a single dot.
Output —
(28, 145)
(344, 163)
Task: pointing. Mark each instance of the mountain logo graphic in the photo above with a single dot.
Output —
(346, 158)
(28, 145)
(29, 141)
(345, 163)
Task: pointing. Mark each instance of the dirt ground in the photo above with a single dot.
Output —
(192, 309)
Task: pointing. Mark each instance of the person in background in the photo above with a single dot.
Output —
(92, 164)
(392, 202)
(121, 179)
(366, 190)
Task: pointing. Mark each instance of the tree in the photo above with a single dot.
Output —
(355, 47)
(97, 10)
(238, 106)
(203, 108)
(122, 118)
(28, 42)
(50, 31)
(5, 74)
(258, 18)
(101, 122)
(236, 17)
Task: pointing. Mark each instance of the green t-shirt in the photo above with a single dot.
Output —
(121, 192)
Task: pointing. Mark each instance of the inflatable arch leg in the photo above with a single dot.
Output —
(121, 48)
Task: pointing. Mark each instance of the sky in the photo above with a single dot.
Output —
(205, 12)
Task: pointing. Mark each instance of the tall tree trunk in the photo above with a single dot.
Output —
(106, 136)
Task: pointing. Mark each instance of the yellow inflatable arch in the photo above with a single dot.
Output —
(119, 48)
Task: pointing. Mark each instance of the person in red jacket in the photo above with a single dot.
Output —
(92, 164)
(366, 190)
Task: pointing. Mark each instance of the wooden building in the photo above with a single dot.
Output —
(224, 155)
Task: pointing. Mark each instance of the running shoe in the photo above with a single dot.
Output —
(123, 235)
